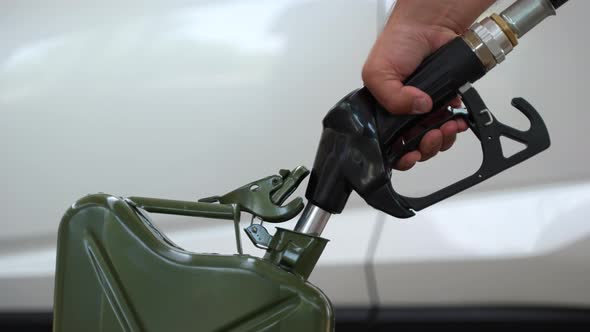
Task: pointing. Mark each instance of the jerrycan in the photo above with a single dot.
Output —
(117, 272)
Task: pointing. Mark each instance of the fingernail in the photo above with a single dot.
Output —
(420, 106)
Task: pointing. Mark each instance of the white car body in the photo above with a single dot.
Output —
(187, 99)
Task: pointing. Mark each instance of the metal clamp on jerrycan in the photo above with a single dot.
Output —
(361, 141)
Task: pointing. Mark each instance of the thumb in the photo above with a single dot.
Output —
(390, 92)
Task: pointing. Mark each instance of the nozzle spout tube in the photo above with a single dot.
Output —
(313, 220)
(524, 15)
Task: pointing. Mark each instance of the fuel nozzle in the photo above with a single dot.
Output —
(361, 140)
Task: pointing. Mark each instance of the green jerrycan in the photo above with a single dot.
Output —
(117, 272)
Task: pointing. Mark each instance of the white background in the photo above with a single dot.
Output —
(186, 99)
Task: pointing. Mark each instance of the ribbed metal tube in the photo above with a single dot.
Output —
(524, 15)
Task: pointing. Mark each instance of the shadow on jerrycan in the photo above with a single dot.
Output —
(117, 272)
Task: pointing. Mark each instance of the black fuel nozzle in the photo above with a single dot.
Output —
(350, 157)
(361, 141)
(352, 154)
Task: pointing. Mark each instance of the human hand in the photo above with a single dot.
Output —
(416, 29)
